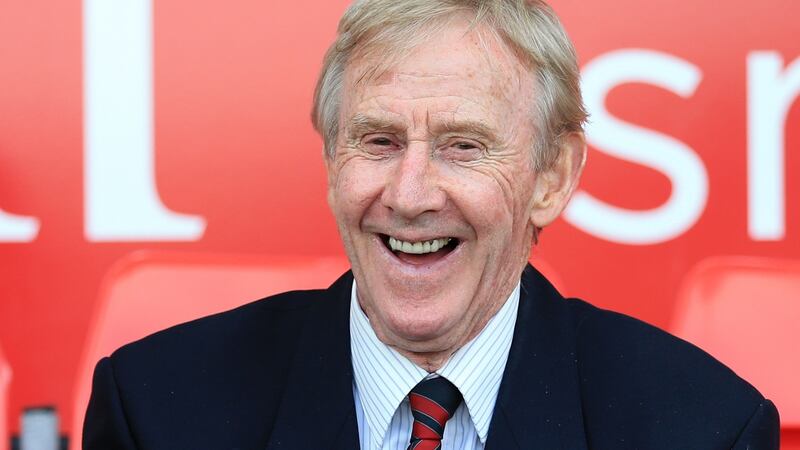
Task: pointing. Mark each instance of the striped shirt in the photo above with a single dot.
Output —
(383, 378)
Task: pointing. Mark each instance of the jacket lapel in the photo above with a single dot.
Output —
(317, 409)
(538, 405)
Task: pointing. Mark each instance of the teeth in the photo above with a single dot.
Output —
(418, 248)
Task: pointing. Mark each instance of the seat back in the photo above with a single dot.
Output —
(150, 291)
(5, 380)
(746, 312)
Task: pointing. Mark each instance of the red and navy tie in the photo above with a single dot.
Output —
(433, 402)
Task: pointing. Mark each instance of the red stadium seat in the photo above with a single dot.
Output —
(148, 291)
(5, 379)
(746, 312)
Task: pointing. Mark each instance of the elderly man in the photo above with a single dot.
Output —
(453, 135)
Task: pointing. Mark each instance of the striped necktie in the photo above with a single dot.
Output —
(433, 402)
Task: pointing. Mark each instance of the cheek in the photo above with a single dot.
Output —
(496, 205)
(357, 186)
(484, 201)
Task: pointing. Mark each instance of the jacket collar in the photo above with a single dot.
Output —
(317, 410)
(539, 404)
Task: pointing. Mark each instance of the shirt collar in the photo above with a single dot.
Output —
(384, 377)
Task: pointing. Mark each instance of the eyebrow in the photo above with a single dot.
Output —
(472, 127)
(362, 123)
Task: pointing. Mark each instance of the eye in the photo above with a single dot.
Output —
(465, 146)
(461, 149)
(380, 143)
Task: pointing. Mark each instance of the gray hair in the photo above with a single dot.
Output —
(387, 28)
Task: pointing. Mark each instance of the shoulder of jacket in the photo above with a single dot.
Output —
(274, 317)
(629, 368)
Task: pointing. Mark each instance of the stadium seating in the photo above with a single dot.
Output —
(149, 291)
(746, 312)
(5, 379)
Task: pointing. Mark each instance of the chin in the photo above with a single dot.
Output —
(423, 329)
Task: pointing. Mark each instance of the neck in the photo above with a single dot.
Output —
(430, 362)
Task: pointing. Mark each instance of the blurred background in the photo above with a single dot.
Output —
(157, 163)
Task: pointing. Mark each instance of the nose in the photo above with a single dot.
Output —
(413, 186)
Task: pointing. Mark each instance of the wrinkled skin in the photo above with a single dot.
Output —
(439, 146)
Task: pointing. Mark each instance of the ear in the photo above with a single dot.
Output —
(555, 186)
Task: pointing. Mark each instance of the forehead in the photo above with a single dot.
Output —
(458, 70)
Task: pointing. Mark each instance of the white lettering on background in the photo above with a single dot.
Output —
(121, 201)
(770, 94)
(14, 228)
(676, 160)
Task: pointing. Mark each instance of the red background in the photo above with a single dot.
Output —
(234, 144)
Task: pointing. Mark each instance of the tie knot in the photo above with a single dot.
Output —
(433, 402)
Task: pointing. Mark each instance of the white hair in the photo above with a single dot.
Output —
(385, 29)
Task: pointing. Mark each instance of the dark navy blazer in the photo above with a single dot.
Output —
(276, 374)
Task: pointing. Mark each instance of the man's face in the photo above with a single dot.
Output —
(433, 189)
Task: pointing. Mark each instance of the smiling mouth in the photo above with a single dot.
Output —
(422, 252)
